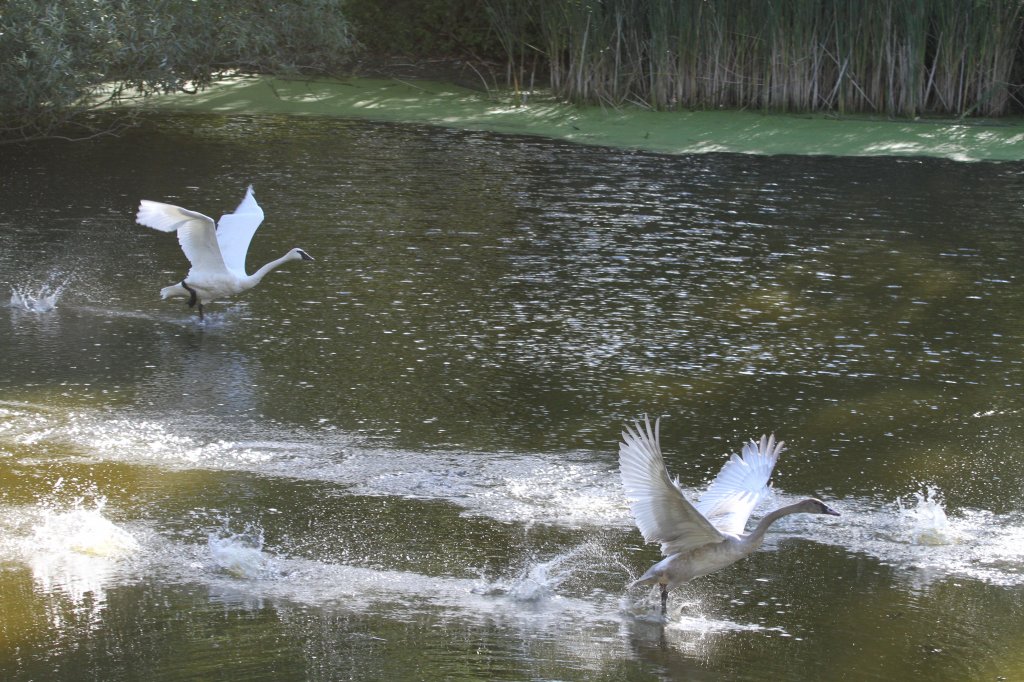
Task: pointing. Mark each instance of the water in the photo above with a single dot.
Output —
(399, 461)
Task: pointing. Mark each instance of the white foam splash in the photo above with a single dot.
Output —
(538, 581)
(84, 532)
(241, 554)
(78, 526)
(42, 300)
(509, 487)
(926, 522)
(925, 542)
(579, 490)
(70, 546)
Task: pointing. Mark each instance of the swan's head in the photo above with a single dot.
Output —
(297, 254)
(815, 506)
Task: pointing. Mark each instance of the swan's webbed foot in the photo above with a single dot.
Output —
(201, 318)
(664, 599)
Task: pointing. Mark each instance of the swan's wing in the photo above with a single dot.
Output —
(661, 511)
(740, 485)
(235, 231)
(167, 217)
(196, 233)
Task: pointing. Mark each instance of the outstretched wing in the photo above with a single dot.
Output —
(740, 485)
(196, 233)
(661, 511)
(235, 231)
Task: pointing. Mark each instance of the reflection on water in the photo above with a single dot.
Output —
(399, 462)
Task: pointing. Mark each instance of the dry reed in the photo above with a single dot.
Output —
(897, 57)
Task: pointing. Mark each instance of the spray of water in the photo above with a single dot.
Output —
(69, 544)
(241, 554)
(538, 582)
(925, 521)
(41, 299)
(77, 526)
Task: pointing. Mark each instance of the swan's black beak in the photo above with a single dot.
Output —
(829, 510)
(305, 256)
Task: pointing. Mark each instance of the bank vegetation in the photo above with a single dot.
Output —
(60, 59)
(898, 58)
(893, 57)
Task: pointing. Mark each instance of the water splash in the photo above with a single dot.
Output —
(926, 522)
(82, 531)
(538, 581)
(241, 554)
(42, 300)
(78, 526)
(68, 543)
(508, 487)
(683, 609)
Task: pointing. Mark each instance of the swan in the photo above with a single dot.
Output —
(216, 251)
(706, 537)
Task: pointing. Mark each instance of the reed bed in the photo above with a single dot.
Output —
(896, 57)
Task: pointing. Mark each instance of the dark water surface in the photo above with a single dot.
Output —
(400, 461)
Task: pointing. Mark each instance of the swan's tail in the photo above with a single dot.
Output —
(174, 291)
(652, 576)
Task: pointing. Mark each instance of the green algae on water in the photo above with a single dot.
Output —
(672, 132)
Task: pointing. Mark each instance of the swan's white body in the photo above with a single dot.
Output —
(216, 251)
(706, 537)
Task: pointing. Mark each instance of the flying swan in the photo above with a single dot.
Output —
(216, 251)
(706, 537)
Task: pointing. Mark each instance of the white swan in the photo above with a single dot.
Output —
(706, 537)
(216, 251)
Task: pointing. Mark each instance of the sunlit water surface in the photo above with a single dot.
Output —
(399, 461)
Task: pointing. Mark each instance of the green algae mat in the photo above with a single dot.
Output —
(682, 132)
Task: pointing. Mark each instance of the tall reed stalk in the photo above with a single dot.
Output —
(897, 57)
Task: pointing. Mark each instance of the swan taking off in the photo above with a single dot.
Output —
(706, 537)
(216, 251)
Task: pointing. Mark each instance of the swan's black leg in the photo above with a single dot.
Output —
(664, 599)
(192, 297)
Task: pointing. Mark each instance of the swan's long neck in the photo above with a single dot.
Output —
(255, 277)
(756, 536)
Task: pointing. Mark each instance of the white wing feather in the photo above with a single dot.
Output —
(167, 217)
(235, 231)
(196, 234)
(740, 486)
(661, 511)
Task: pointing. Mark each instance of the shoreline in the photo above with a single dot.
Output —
(668, 132)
